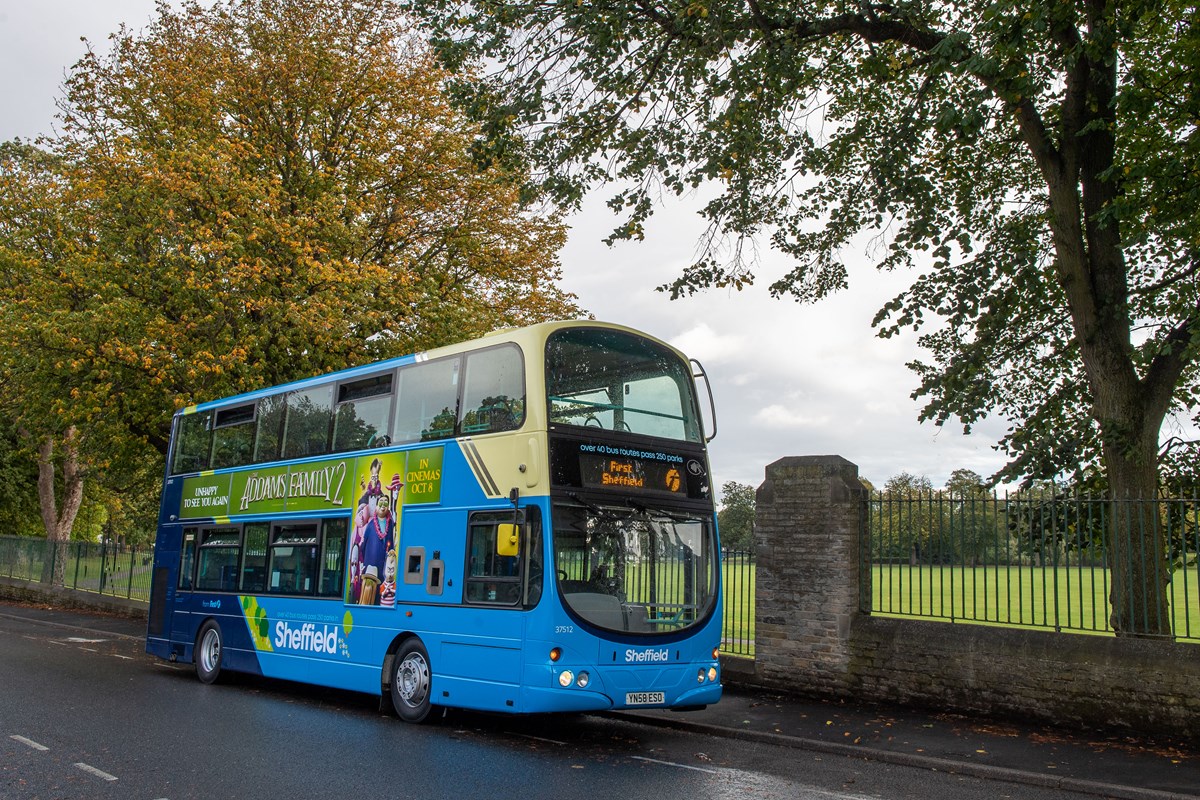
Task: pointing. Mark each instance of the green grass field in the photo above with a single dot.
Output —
(1066, 598)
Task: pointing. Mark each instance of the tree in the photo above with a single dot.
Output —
(973, 522)
(19, 513)
(904, 520)
(735, 520)
(244, 195)
(1039, 161)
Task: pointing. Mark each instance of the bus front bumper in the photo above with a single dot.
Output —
(617, 688)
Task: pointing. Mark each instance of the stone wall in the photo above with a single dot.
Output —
(1069, 679)
(812, 638)
(20, 591)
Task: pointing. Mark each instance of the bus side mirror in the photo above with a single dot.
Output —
(508, 539)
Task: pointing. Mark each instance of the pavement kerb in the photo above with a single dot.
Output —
(931, 763)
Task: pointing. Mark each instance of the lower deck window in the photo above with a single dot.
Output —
(218, 561)
(294, 559)
(333, 558)
(502, 579)
(491, 578)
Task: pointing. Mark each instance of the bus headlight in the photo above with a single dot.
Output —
(565, 678)
(712, 673)
(582, 680)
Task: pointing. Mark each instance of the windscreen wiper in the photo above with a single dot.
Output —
(590, 507)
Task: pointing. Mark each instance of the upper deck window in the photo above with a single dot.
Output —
(494, 395)
(364, 411)
(233, 436)
(193, 442)
(618, 381)
(428, 401)
(307, 422)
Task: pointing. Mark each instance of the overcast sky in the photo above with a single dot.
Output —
(789, 379)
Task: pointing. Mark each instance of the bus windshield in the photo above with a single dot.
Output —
(635, 569)
(616, 381)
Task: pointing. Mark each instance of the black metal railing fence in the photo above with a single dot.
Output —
(1043, 559)
(104, 568)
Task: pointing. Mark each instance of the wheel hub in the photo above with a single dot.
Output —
(412, 677)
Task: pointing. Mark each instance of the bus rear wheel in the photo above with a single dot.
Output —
(411, 682)
(208, 652)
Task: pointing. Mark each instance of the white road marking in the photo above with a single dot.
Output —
(127, 658)
(540, 739)
(81, 640)
(93, 771)
(30, 743)
(673, 764)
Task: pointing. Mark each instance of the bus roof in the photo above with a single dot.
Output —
(529, 335)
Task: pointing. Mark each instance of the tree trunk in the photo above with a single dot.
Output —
(58, 523)
(1137, 552)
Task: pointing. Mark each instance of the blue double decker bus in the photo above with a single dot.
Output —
(520, 523)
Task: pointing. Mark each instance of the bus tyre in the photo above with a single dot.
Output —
(411, 682)
(208, 652)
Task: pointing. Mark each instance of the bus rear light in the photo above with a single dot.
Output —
(565, 678)
(555, 653)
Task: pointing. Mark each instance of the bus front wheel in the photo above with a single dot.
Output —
(411, 682)
(208, 652)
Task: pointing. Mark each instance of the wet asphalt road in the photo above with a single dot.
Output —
(86, 714)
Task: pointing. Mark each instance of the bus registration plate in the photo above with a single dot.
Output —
(644, 698)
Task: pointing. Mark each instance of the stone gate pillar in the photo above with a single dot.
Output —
(808, 573)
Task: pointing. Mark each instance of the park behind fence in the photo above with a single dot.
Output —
(104, 568)
(1030, 560)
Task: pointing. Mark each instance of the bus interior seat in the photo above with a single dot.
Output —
(601, 609)
(637, 618)
(254, 579)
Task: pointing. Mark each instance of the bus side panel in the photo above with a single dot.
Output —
(480, 669)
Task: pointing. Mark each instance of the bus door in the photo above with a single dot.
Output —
(177, 608)
(503, 578)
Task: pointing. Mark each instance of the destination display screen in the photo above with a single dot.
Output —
(630, 470)
(630, 474)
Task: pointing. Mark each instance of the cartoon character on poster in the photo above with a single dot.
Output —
(374, 538)
(387, 591)
(373, 488)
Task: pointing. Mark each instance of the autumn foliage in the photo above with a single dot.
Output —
(244, 195)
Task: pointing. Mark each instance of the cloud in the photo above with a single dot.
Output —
(706, 345)
(777, 416)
